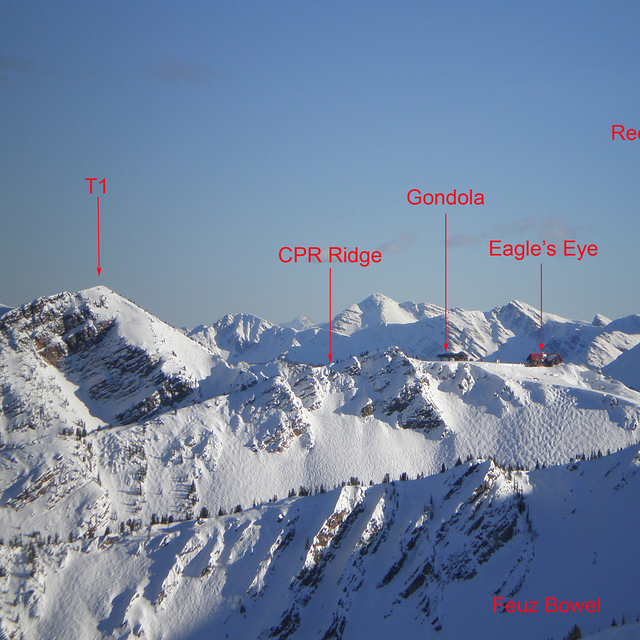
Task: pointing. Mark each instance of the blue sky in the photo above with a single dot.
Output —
(228, 130)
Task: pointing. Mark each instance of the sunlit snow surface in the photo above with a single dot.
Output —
(426, 557)
(111, 416)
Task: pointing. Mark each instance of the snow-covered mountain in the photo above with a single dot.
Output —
(506, 334)
(99, 359)
(112, 419)
(626, 368)
(245, 338)
(300, 323)
(435, 557)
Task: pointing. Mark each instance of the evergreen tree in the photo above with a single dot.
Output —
(574, 634)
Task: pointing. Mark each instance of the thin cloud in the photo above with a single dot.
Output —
(518, 226)
(550, 229)
(178, 70)
(458, 240)
(556, 230)
(16, 64)
(399, 245)
(13, 68)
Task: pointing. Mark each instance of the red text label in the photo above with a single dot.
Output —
(416, 197)
(551, 606)
(564, 606)
(336, 254)
(618, 130)
(570, 249)
(515, 606)
(103, 182)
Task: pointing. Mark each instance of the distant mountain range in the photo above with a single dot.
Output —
(506, 334)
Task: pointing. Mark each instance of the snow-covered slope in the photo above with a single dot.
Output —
(617, 632)
(71, 366)
(417, 559)
(507, 333)
(626, 368)
(374, 311)
(74, 368)
(111, 418)
(246, 337)
(289, 425)
(301, 323)
(97, 358)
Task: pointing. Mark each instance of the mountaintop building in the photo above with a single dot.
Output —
(461, 356)
(543, 359)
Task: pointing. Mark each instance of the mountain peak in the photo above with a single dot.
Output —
(301, 323)
(377, 299)
(600, 320)
(522, 307)
(377, 309)
(244, 325)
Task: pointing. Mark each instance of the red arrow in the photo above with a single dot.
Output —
(330, 354)
(541, 343)
(446, 344)
(99, 267)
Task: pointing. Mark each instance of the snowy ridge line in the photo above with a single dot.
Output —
(273, 428)
(508, 334)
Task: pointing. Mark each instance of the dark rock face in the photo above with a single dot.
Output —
(121, 373)
(65, 331)
(423, 418)
(413, 560)
(273, 412)
(415, 411)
